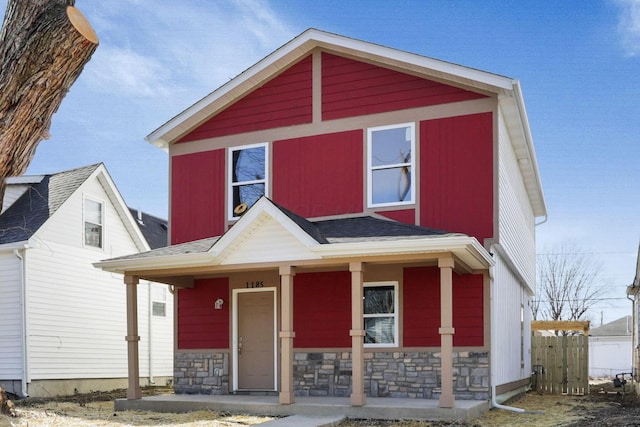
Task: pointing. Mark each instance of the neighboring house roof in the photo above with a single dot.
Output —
(39, 202)
(322, 239)
(153, 228)
(42, 195)
(620, 327)
(506, 89)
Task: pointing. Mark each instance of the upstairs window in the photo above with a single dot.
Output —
(381, 314)
(93, 220)
(391, 165)
(248, 166)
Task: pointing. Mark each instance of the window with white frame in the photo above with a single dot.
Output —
(159, 301)
(93, 223)
(381, 314)
(391, 165)
(248, 168)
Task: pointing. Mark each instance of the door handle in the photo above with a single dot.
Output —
(239, 346)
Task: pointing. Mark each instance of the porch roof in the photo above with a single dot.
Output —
(305, 242)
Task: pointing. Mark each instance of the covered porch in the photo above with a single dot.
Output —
(274, 241)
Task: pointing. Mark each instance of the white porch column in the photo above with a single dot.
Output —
(358, 397)
(287, 394)
(132, 338)
(447, 399)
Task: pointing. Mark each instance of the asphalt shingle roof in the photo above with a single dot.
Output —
(340, 230)
(27, 214)
(153, 229)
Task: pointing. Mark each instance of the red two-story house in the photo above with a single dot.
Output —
(350, 220)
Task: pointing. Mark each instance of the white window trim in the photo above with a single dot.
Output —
(395, 313)
(102, 223)
(230, 184)
(370, 168)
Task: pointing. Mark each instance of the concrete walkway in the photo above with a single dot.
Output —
(304, 421)
(326, 407)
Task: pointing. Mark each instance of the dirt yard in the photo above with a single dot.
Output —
(605, 406)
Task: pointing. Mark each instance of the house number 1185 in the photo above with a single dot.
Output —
(259, 284)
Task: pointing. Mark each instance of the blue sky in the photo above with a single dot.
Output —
(578, 63)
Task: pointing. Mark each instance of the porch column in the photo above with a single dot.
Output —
(132, 338)
(447, 399)
(358, 397)
(287, 394)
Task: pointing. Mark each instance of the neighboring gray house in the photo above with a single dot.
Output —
(610, 348)
(63, 321)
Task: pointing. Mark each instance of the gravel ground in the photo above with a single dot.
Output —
(605, 406)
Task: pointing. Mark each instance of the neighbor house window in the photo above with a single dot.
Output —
(391, 165)
(381, 314)
(247, 177)
(93, 223)
(159, 301)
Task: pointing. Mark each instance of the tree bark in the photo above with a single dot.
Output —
(44, 45)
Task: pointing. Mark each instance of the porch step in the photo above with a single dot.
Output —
(305, 421)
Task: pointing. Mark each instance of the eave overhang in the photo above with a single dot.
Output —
(303, 45)
(469, 254)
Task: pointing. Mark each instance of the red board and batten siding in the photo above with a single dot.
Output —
(322, 309)
(421, 304)
(354, 88)
(199, 324)
(319, 175)
(284, 101)
(197, 196)
(456, 174)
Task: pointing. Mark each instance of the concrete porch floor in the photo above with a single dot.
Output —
(376, 408)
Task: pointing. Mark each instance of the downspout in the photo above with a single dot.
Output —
(23, 303)
(149, 339)
(494, 351)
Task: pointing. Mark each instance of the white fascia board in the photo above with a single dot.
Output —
(155, 263)
(541, 205)
(515, 116)
(377, 51)
(465, 247)
(121, 207)
(8, 247)
(260, 211)
(24, 179)
(302, 45)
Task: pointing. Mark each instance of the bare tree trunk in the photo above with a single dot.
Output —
(44, 45)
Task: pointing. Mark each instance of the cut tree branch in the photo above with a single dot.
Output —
(44, 45)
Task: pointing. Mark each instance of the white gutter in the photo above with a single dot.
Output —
(23, 303)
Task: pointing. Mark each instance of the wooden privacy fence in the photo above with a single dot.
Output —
(560, 364)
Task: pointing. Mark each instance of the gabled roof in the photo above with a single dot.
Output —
(506, 89)
(44, 195)
(310, 240)
(39, 202)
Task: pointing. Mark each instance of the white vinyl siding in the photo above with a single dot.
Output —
(10, 317)
(280, 247)
(509, 295)
(516, 219)
(77, 313)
